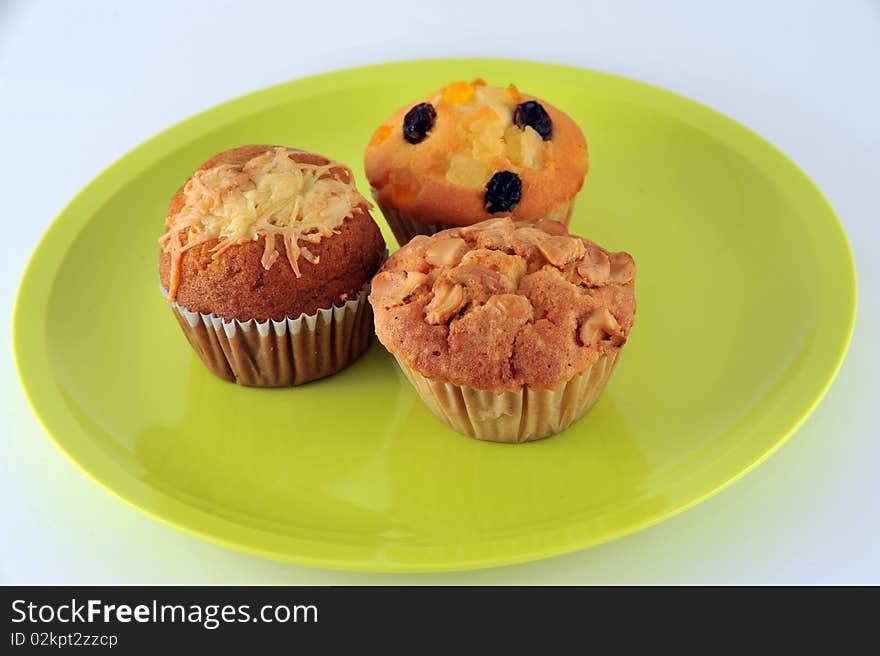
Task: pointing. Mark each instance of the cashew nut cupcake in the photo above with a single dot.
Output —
(472, 151)
(508, 330)
(266, 261)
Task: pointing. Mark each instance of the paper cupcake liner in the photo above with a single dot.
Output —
(522, 416)
(405, 228)
(280, 353)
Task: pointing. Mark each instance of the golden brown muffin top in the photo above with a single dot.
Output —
(435, 160)
(502, 304)
(258, 277)
(254, 192)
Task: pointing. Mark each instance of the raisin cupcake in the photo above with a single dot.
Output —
(472, 151)
(266, 261)
(508, 330)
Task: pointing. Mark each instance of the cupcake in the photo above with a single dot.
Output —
(509, 331)
(472, 151)
(266, 261)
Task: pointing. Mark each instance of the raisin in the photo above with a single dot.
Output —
(503, 192)
(532, 114)
(418, 122)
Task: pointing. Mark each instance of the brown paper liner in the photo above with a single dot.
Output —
(405, 228)
(513, 417)
(280, 353)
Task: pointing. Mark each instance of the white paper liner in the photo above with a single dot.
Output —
(521, 416)
(405, 228)
(281, 353)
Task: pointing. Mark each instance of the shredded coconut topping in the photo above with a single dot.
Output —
(271, 195)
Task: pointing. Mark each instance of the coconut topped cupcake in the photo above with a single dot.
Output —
(470, 151)
(501, 304)
(264, 232)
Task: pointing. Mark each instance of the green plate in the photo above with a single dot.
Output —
(746, 301)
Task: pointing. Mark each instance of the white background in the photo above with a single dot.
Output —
(81, 83)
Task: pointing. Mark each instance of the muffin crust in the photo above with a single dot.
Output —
(235, 282)
(442, 178)
(503, 304)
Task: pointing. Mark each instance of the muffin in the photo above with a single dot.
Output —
(266, 261)
(472, 151)
(508, 330)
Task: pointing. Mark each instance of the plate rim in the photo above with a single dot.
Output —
(217, 529)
